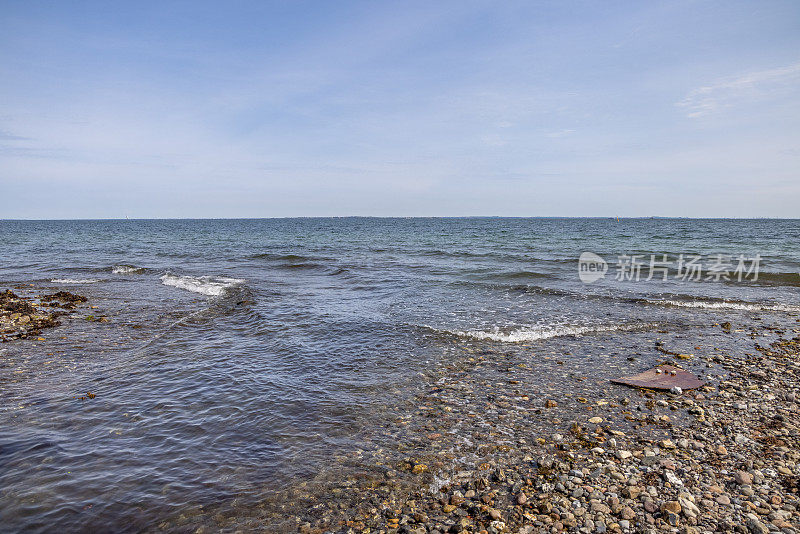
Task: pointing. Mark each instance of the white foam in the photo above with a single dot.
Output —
(74, 280)
(710, 305)
(536, 333)
(126, 269)
(213, 286)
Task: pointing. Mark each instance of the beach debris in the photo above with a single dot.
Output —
(664, 377)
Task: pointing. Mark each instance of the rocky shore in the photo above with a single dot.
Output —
(722, 458)
(484, 448)
(23, 316)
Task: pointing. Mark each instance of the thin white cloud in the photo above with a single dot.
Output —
(752, 87)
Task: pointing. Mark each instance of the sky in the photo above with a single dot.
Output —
(465, 108)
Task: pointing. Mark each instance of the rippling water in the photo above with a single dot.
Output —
(242, 355)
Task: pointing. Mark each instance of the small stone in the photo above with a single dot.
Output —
(650, 506)
(631, 492)
(672, 478)
(496, 527)
(522, 499)
(550, 403)
(596, 420)
(628, 513)
(623, 455)
(756, 527)
(671, 506)
(672, 519)
(688, 507)
(743, 478)
(456, 499)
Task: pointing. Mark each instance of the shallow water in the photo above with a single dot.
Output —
(243, 356)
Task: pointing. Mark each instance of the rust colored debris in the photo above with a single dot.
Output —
(661, 377)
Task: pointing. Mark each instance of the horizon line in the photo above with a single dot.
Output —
(402, 217)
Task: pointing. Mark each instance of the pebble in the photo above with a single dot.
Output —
(743, 478)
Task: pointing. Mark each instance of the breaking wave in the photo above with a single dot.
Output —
(726, 305)
(127, 269)
(74, 280)
(536, 333)
(213, 286)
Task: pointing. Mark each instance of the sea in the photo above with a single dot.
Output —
(238, 359)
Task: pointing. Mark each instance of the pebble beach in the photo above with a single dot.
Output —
(722, 458)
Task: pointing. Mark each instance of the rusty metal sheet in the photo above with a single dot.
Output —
(668, 377)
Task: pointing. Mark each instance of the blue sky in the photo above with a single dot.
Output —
(271, 109)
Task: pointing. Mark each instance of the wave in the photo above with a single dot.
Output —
(127, 269)
(518, 288)
(75, 280)
(515, 275)
(773, 279)
(455, 253)
(287, 257)
(662, 299)
(536, 333)
(294, 261)
(725, 305)
(213, 286)
(271, 256)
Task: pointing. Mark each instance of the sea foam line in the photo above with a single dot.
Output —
(213, 286)
(526, 334)
(126, 269)
(74, 280)
(747, 306)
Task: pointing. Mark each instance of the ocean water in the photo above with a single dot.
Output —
(243, 357)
